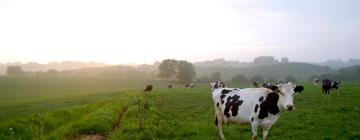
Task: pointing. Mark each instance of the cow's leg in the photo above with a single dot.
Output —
(337, 91)
(220, 127)
(266, 131)
(219, 122)
(254, 128)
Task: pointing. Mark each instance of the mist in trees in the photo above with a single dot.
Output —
(257, 79)
(216, 76)
(239, 79)
(14, 71)
(180, 70)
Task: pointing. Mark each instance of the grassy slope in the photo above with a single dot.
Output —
(177, 113)
(188, 114)
(22, 96)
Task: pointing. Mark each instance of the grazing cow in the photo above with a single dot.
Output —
(170, 86)
(316, 81)
(255, 106)
(328, 85)
(192, 85)
(148, 89)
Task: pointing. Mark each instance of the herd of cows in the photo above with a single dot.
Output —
(257, 106)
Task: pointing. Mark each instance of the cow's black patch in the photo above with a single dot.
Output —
(256, 108)
(217, 104)
(232, 103)
(261, 98)
(222, 98)
(269, 106)
(252, 119)
(225, 91)
(216, 121)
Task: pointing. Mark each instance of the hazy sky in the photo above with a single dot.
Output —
(142, 31)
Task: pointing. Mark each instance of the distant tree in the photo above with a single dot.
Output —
(257, 79)
(312, 77)
(203, 79)
(284, 60)
(272, 80)
(290, 78)
(52, 72)
(264, 60)
(216, 76)
(167, 68)
(14, 71)
(239, 79)
(185, 72)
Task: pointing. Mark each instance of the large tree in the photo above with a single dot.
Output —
(216, 76)
(14, 71)
(167, 68)
(185, 72)
(257, 79)
(239, 79)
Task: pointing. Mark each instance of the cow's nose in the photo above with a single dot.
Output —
(290, 107)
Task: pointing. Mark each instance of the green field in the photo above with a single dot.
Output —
(75, 108)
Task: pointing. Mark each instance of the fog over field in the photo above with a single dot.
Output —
(140, 31)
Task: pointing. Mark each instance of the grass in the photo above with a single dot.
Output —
(119, 110)
(188, 114)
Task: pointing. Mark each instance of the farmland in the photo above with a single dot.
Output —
(74, 108)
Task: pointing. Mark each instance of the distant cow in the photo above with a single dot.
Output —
(328, 85)
(316, 81)
(192, 85)
(255, 106)
(170, 86)
(148, 89)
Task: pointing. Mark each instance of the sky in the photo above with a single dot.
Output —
(144, 31)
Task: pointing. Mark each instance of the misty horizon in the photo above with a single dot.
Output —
(135, 32)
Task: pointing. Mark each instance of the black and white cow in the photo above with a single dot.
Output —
(255, 106)
(328, 85)
(316, 81)
(192, 85)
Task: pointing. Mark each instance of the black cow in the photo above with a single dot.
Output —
(170, 86)
(328, 85)
(148, 89)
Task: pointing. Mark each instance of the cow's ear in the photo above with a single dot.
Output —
(273, 88)
(298, 89)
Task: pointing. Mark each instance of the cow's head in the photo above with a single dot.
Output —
(335, 84)
(286, 92)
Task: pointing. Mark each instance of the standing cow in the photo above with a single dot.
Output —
(148, 89)
(316, 81)
(255, 106)
(328, 85)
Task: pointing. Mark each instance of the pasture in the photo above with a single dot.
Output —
(75, 108)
